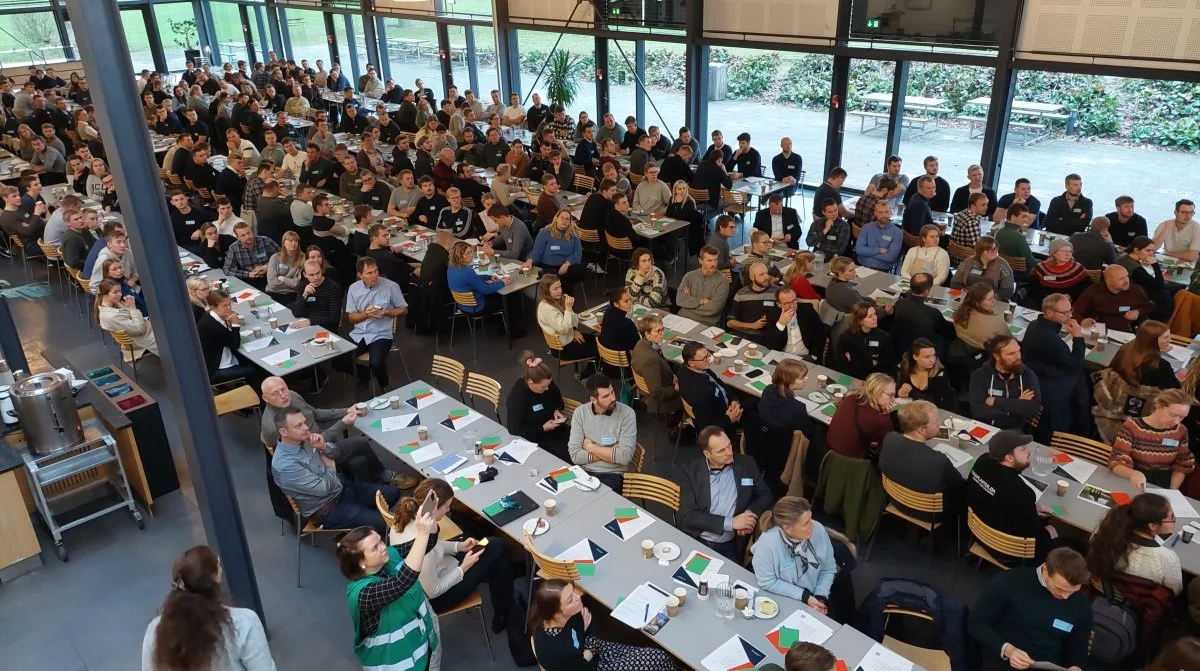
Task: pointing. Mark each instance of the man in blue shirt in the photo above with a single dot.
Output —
(879, 242)
(372, 305)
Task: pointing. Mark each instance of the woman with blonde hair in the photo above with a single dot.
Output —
(928, 258)
(682, 206)
(975, 321)
(556, 315)
(1154, 449)
(112, 269)
(558, 250)
(794, 556)
(864, 347)
(198, 287)
(453, 570)
(797, 276)
(840, 294)
(988, 268)
(535, 408)
(285, 269)
(863, 418)
(25, 137)
(117, 312)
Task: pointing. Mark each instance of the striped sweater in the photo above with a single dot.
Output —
(1145, 448)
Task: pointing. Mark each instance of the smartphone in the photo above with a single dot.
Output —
(482, 542)
(429, 505)
(118, 390)
(754, 373)
(99, 372)
(735, 342)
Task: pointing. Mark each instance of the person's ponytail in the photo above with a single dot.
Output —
(194, 617)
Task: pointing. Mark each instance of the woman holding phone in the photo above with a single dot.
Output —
(454, 569)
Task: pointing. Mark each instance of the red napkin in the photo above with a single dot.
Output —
(727, 373)
(1062, 458)
(1120, 498)
(979, 432)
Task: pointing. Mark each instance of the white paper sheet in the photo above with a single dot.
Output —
(863, 271)
(632, 527)
(421, 403)
(711, 332)
(1179, 503)
(729, 655)
(471, 472)
(880, 658)
(1120, 337)
(255, 345)
(277, 358)
(396, 423)
(1181, 354)
(643, 603)
(518, 449)
(427, 452)
(581, 551)
(1078, 469)
(956, 456)
(811, 629)
(677, 323)
(462, 422)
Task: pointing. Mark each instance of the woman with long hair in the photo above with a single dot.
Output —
(461, 277)
(111, 269)
(928, 258)
(1059, 273)
(25, 137)
(920, 377)
(1142, 361)
(198, 287)
(864, 347)
(794, 556)
(196, 630)
(986, 267)
(556, 315)
(975, 320)
(117, 311)
(212, 247)
(648, 362)
(285, 269)
(779, 409)
(617, 330)
(645, 282)
(562, 641)
(1154, 449)
(1126, 542)
(453, 570)
(863, 418)
(1141, 260)
(393, 621)
(535, 408)
(557, 249)
(683, 207)
(315, 253)
(797, 276)
(841, 293)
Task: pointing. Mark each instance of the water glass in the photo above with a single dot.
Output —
(724, 599)
(1042, 461)
(468, 438)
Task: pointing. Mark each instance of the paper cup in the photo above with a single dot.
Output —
(737, 365)
(740, 599)
(672, 606)
(681, 594)
(822, 381)
(489, 457)
(1186, 535)
(551, 507)
(258, 332)
(394, 401)
(648, 549)
(273, 323)
(362, 408)
(1061, 487)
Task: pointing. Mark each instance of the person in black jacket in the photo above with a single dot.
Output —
(920, 377)
(617, 330)
(1060, 369)
(220, 337)
(711, 402)
(781, 223)
(962, 195)
(940, 200)
(1001, 498)
(676, 167)
(186, 220)
(906, 458)
(321, 300)
(534, 408)
(1124, 223)
(1070, 212)
(273, 213)
(745, 160)
(864, 346)
(711, 175)
(913, 317)
(617, 223)
(741, 495)
(779, 410)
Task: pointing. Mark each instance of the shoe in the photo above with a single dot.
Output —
(499, 622)
(404, 482)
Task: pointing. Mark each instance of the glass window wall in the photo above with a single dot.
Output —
(868, 102)
(31, 37)
(570, 75)
(176, 24)
(940, 95)
(412, 51)
(230, 37)
(306, 32)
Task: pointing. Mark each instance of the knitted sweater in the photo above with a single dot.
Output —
(1142, 447)
(1147, 559)
(998, 275)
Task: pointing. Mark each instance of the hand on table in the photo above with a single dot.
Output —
(817, 605)
(1138, 480)
(1131, 315)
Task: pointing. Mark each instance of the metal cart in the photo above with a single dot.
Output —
(67, 472)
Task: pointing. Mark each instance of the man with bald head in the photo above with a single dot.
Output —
(353, 456)
(1094, 248)
(1114, 302)
(443, 170)
(787, 166)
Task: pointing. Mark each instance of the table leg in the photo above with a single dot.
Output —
(504, 315)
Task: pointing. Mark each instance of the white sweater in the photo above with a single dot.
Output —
(243, 649)
(561, 324)
(933, 260)
(1157, 564)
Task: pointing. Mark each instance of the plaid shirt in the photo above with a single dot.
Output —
(864, 211)
(240, 259)
(562, 130)
(254, 189)
(966, 228)
(835, 242)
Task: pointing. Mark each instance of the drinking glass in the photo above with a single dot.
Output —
(724, 598)
(1042, 461)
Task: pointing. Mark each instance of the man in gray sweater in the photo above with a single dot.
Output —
(353, 455)
(603, 433)
(702, 293)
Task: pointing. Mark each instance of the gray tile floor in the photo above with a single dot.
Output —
(91, 613)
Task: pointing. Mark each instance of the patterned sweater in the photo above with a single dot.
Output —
(1145, 448)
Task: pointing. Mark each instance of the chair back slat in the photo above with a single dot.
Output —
(569, 405)
(381, 504)
(638, 463)
(1017, 263)
(640, 382)
(484, 387)
(1008, 544)
(651, 487)
(613, 357)
(960, 252)
(1084, 448)
(464, 298)
(929, 503)
(449, 369)
(551, 567)
(622, 244)
(588, 235)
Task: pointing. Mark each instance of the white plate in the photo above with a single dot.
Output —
(666, 550)
(758, 601)
(819, 397)
(728, 352)
(835, 388)
(379, 404)
(536, 526)
(588, 484)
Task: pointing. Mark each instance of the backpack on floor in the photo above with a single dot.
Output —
(1114, 629)
(519, 644)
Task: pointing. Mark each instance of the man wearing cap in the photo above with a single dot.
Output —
(1003, 500)
(1094, 247)
(1003, 392)
(781, 223)
(1059, 367)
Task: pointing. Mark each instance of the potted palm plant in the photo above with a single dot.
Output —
(562, 82)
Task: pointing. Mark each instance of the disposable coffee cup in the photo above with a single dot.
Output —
(964, 443)
(1008, 316)
(648, 549)
(672, 606)
(362, 408)
(274, 323)
(737, 365)
(1101, 343)
(1061, 487)
(740, 599)
(394, 401)
(1186, 535)
(822, 381)
(489, 457)
(681, 594)
(551, 507)
(837, 398)
(258, 332)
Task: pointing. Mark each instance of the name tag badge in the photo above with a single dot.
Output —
(769, 303)
(1051, 278)
(747, 482)
(1077, 210)
(607, 441)
(261, 256)
(555, 248)
(190, 222)
(995, 392)
(1063, 625)
(312, 299)
(831, 237)
(1171, 442)
(537, 407)
(872, 343)
(887, 238)
(976, 271)
(283, 266)
(1123, 309)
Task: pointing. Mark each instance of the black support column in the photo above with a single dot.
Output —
(331, 39)
(106, 59)
(472, 58)
(443, 37)
(1004, 85)
(60, 23)
(834, 133)
(274, 19)
(896, 125)
(156, 45)
(639, 76)
(602, 104)
(247, 36)
(371, 40)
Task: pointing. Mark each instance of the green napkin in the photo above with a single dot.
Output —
(625, 513)
(845, 380)
(756, 362)
(494, 508)
(1014, 328)
(463, 484)
(829, 410)
(290, 363)
(491, 442)
(788, 636)
(698, 564)
(459, 414)
(586, 568)
(1098, 357)
(565, 476)
(422, 390)
(759, 385)
(1058, 510)
(409, 449)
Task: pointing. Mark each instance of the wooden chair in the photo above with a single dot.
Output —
(466, 299)
(306, 528)
(381, 505)
(614, 358)
(620, 250)
(989, 540)
(929, 659)
(689, 421)
(652, 488)
(728, 274)
(53, 256)
(899, 495)
(584, 183)
(1182, 341)
(738, 203)
(911, 240)
(549, 567)
(1083, 448)
(960, 253)
(1017, 263)
(469, 203)
(483, 387)
(473, 602)
(125, 342)
(17, 244)
(637, 464)
(569, 405)
(635, 178)
(240, 398)
(449, 369)
(1095, 275)
(701, 197)
(556, 347)
(592, 253)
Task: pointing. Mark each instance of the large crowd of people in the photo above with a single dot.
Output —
(268, 217)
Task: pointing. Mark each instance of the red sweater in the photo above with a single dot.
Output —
(857, 429)
(804, 289)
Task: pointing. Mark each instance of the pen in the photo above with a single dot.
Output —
(646, 617)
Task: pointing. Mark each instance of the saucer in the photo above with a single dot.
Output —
(536, 526)
(666, 550)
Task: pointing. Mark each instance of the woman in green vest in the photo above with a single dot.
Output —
(394, 625)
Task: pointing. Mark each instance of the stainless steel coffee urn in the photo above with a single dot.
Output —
(48, 412)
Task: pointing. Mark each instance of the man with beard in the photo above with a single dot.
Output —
(1000, 497)
(1003, 392)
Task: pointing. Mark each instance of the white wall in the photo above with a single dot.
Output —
(790, 21)
(1120, 32)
